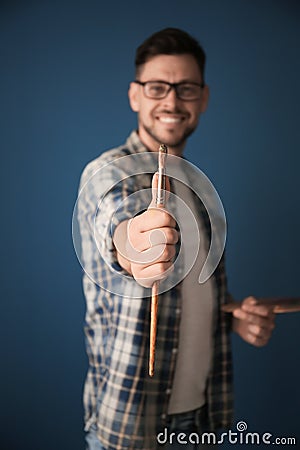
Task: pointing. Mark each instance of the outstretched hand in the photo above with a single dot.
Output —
(146, 244)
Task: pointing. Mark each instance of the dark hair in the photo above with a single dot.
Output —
(170, 41)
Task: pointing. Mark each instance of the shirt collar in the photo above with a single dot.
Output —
(135, 144)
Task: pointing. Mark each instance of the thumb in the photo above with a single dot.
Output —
(155, 187)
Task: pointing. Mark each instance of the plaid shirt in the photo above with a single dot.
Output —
(128, 407)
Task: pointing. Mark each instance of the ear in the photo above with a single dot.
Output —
(133, 95)
(204, 99)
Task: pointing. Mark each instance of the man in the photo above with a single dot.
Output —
(192, 387)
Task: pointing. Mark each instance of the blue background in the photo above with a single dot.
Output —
(65, 70)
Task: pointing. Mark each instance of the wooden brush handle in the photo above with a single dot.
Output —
(153, 327)
(160, 203)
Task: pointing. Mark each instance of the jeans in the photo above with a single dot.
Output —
(184, 431)
(190, 425)
(92, 441)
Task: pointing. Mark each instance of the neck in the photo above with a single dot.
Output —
(153, 144)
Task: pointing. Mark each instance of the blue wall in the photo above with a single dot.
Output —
(65, 69)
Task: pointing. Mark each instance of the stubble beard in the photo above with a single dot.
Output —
(174, 143)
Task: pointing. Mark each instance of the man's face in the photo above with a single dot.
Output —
(169, 120)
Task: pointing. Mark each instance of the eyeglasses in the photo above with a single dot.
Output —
(160, 89)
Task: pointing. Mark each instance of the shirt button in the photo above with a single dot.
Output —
(168, 391)
(174, 350)
(163, 416)
(178, 311)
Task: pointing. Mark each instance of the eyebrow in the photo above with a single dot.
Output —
(184, 80)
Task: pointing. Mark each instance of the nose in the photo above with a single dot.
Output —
(171, 99)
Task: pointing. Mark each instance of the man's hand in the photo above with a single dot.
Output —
(151, 245)
(254, 322)
(146, 244)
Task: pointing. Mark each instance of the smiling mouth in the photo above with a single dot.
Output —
(166, 119)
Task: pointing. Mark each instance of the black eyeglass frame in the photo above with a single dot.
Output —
(171, 86)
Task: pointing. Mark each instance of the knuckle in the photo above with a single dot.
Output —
(163, 267)
(169, 252)
(174, 236)
(255, 329)
(169, 235)
(251, 338)
(259, 331)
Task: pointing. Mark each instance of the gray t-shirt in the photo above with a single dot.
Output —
(197, 318)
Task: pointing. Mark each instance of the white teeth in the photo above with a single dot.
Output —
(170, 119)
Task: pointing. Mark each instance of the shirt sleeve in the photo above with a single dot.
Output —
(107, 196)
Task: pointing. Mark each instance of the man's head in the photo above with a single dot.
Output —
(168, 111)
(170, 41)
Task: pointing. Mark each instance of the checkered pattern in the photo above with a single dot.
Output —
(128, 407)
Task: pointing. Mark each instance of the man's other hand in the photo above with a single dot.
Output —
(254, 322)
